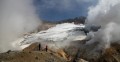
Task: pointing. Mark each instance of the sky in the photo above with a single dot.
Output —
(55, 10)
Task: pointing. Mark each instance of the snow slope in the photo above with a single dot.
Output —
(61, 33)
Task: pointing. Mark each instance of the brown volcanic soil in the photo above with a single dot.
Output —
(33, 56)
(46, 26)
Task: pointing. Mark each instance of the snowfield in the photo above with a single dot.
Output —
(61, 33)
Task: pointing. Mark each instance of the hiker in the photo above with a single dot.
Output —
(39, 46)
(46, 49)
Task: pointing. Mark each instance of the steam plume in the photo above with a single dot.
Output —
(17, 17)
(106, 13)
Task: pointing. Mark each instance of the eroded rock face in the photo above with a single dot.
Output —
(91, 52)
(111, 54)
(82, 60)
